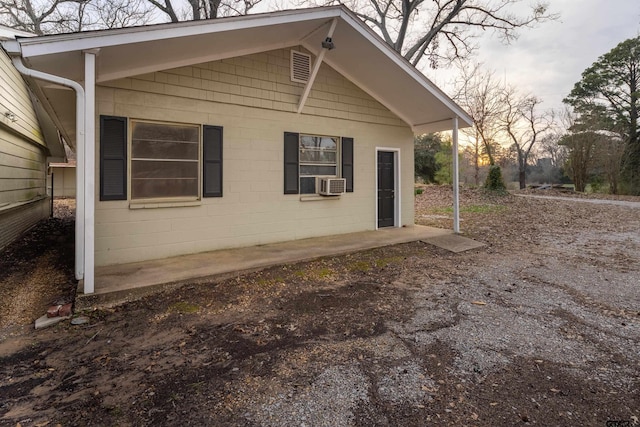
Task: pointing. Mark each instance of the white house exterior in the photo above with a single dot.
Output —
(24, 149)
(216, 134)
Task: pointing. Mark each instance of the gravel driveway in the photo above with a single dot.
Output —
(541, 327)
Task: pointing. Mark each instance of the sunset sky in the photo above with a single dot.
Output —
(548, 60)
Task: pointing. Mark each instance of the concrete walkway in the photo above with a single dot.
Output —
(118, 283)
(625, 203)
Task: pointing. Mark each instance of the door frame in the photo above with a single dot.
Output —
(396, 182)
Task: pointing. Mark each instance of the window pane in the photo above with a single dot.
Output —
(318, 157)
(308, 185)
(315, 156)
(318, 170)
(175, 172)
(164, 141)
(159, 188)
(158, 149)
(165, 132)
(151, 169)
(322, 142)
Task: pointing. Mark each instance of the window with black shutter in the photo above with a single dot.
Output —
(113, 158)
(310, 157)
(347, 163)
(291, 169)
(212, 161)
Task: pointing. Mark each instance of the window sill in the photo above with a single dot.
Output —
(317, 197)
(164, 203)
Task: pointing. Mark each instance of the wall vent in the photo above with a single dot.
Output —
(300, 67)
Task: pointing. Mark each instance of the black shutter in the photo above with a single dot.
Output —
(113, 158)
(291, 153)
(212, 161)
(347, 162)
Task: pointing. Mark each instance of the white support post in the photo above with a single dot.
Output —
(90, 168)
(456, 178)
(316, 68)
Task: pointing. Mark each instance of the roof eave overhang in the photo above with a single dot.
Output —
(418, 128)
(415, 83)
(48, 45)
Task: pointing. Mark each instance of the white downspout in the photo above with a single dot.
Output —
(80, 146)
(456, 178)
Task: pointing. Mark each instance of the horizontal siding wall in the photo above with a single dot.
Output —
(15, 99)
(15, 221)
(254, 209)
(23, 199)
(22, 169)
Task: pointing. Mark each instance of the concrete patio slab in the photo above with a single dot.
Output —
(454, 243)
(118, 283)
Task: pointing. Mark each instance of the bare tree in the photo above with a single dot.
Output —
(524, 124)
(580, 141)
(121, 13)
(473, 150)
(38, 16)
(166, 7)
(580, 160)
(550, 148)
(478, 92)
(59, 16)
(610, 152)
(441, 29)
(203, 9)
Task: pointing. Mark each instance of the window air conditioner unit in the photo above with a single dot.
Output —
(332, 186)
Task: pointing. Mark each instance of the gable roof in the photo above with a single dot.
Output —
(360, 55)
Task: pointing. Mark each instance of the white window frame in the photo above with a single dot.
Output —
(338, 162)
(163, 201)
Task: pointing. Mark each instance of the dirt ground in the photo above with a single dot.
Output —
(540, 327)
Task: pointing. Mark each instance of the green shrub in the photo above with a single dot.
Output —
(494, 180)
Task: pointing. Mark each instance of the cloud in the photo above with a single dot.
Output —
(549, 59)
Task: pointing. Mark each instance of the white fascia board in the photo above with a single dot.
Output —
(12, 47)
(47, 45)
(11, 33)
(439, 126)
(384, 48)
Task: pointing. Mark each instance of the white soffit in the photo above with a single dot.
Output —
(360, 55)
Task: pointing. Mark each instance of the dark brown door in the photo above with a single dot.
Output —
(386, 189)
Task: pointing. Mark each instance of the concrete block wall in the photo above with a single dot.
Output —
(254, 101)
